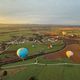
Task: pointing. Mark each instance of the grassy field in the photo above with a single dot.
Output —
(7, 31)
(37, 46)
(33, 50)
(46, 72)
(4, 38)
(40, 72)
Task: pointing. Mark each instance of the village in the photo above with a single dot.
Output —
(39, 38)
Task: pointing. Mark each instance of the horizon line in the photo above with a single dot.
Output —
(39, 24)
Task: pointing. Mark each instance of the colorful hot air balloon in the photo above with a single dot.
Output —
(69, 54)
(22, 53)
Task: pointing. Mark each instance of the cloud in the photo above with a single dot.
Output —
(40, 11)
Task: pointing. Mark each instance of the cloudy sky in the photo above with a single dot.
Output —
(40, 11)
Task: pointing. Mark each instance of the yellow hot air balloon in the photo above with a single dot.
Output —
(69, 54)
(63, 33)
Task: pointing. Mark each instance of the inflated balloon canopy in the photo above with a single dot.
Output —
(64, 33)
(69, 54)
(22, 52)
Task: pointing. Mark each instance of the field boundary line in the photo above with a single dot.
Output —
(17, 65)
(42, 64)
(58, 64)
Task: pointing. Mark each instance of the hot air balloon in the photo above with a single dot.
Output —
(69, 54)
(22, 53)
(50, 46)
(63, 33)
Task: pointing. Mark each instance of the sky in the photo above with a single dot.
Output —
(65, 12)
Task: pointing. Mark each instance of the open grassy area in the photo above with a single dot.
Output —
(7, 32)
(33, 50)
(4, 38)
(46, 72)
(40, 72)
(37, 47)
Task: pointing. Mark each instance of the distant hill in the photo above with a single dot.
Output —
(39, 26)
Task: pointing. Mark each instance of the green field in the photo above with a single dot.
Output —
(7, 32)
(40, 72)
(38, 47)
(46, 72)
(34, 50)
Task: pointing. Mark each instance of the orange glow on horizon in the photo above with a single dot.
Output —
(5, 20)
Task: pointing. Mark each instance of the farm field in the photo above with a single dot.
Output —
(43, 62)
(45, 72)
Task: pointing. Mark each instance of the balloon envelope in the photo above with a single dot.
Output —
(69, 54)
(64, 33)
(22, 52)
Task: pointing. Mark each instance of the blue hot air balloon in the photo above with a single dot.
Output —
(22, 52)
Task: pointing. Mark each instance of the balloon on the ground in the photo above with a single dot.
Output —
(50, 46)
(22, 52)
(69, 54)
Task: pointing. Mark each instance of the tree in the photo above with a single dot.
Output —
(4, 73)
(32, 78)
